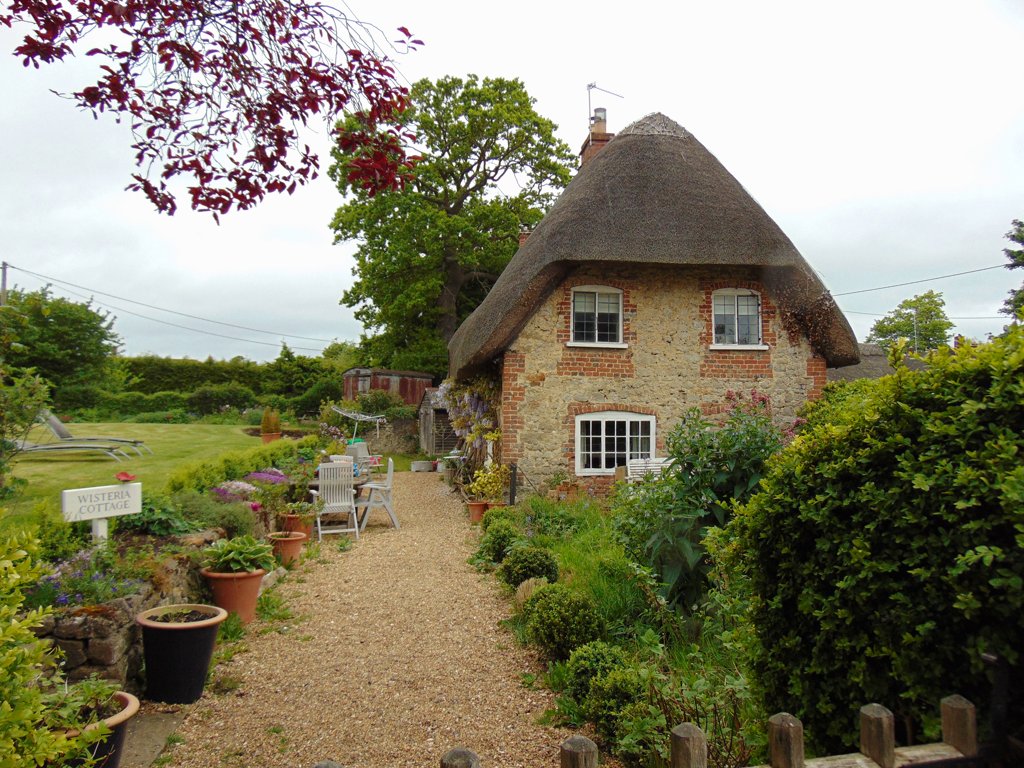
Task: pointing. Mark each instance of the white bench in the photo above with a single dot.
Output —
(638, 469)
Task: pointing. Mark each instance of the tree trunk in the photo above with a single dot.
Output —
(447, 302)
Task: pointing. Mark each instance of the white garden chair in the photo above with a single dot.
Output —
(338, 497)
(379, 497)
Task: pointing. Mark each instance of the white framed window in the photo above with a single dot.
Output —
(608, 439)
(596, 316)
(736, 319)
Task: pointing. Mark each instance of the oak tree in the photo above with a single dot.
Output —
(1013, 305)
(488, 167)
(921, 319)
(216, 91)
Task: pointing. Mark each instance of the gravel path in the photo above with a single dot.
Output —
(396, 658)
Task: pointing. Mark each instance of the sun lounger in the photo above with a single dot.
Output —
(63, 434)
(66, 446)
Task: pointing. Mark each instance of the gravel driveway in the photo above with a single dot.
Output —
(397, 658)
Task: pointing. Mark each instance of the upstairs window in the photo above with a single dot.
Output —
(609, 439)
(737, 318)
(596, 316)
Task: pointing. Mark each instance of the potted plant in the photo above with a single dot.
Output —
(299, 516)
(287, 545)
(234, 569)
(177, 645)
(486, 489)
(270, 425)
(105, 709)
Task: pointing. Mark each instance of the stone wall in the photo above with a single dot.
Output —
(395, 437)
(103, 640)
(665, 369)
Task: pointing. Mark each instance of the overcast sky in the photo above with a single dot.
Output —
(885, 138)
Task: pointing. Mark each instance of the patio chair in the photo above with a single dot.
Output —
(379, 497)
(338, 497)
(113, 451)
(63, 434)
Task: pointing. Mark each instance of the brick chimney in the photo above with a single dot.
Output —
(598, 136)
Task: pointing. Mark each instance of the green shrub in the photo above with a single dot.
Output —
(886, 547)
(611, 693)
(588, 662)
(59, 539)
(380, 402)
(663, 520)
(36, 727)
(494, 514)
(89, 577)
(74, 397)
(202, 476)
(498, 540)
(158, 517)
(522, 563)
(561, 619)
(326, 389)
(162, 417)
(204, 511)
(213, 397)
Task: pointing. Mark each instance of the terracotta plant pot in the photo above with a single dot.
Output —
(295, 523)
(287, 545)
(476, 510)
(236, 592)
(269, 437)
(178, 653)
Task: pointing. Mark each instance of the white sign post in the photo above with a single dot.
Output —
(97, 504)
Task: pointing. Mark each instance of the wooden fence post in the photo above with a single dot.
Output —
(878, 735)
(689, 747)
(460, 757)
(960, 725)
(785, 741)
(578, 752)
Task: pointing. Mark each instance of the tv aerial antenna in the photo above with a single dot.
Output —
(590, 109)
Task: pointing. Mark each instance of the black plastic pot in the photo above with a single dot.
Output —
(178, 653)
(108, 751)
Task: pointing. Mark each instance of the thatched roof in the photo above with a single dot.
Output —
(874, 364)
(653, 195)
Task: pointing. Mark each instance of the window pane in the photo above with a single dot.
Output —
(584, 317)
(747, 331)
(608, 327)
(725, 319)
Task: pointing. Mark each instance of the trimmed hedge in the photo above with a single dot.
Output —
(886, 547)
(202, 476)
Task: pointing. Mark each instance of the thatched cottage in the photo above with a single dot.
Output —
(655, 284)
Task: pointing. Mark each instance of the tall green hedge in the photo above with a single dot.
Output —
(886, 547)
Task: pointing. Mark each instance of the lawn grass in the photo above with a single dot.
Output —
(172, 445)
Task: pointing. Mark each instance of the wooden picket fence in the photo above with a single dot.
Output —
(689, 748)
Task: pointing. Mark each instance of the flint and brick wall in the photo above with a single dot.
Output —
(666, 369)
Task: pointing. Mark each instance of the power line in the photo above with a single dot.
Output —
(881, 314)
(194, 330)
(171, 311)
(915, 282)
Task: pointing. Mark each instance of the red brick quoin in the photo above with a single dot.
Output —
(749, 364)
(596, 362)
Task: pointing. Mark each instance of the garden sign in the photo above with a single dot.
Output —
(97, 504)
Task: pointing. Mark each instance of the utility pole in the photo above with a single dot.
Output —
(3, 284)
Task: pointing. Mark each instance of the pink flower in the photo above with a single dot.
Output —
(125, 477)
(255, 506)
